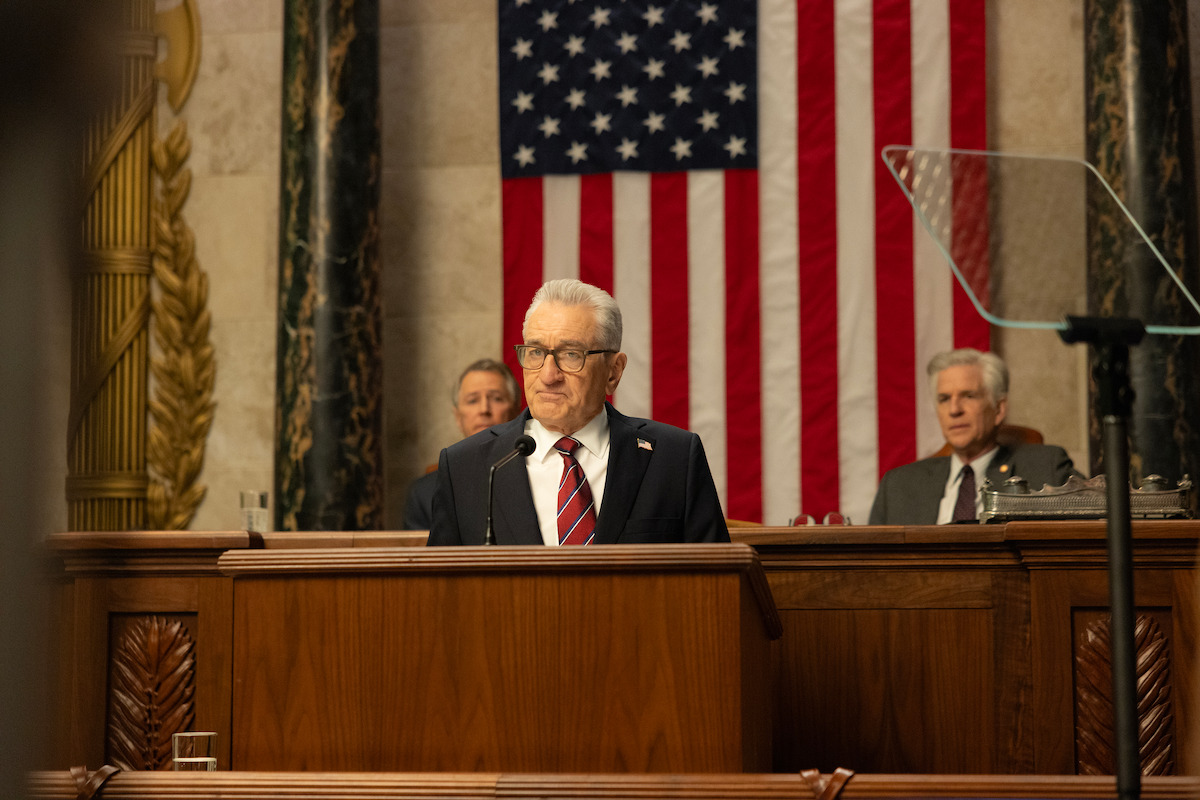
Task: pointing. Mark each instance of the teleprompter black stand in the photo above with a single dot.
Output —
(1112, 337)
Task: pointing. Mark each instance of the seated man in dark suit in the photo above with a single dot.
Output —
(595, 475)
(486, 395)
(970, 391)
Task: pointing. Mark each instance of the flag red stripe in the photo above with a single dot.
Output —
(596, 230)
(521, 201)
(968, 130)
(743, 342)
(816, 184)
(669, 297)
(894, 297)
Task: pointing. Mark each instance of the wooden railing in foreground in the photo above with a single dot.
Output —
(493, 786)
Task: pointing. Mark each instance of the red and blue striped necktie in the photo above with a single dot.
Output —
(576, 511)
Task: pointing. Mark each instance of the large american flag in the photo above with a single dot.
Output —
(715, 165)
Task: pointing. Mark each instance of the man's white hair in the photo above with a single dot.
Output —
(570, 292)
(995, 373)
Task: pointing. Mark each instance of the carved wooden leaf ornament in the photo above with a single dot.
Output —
(153, 682)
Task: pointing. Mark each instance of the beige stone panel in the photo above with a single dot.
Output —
(233, 111)
(1036, 106)
(1035, 76)
(438, 94)
(441, 240)
(239, 16)
(235, 219)
(240, 452)
(412, 12)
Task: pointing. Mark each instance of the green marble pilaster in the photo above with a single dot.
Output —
(1139, 137)
(328, 426)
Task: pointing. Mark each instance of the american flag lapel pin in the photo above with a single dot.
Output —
(644, 445)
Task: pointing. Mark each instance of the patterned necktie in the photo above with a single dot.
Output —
(576, 512)
(964, 507)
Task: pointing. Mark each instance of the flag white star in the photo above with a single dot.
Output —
(523, 3)
(524, 155)
(627, 42)
(601, 69)
(577, 152)
(682, 94)
(627, 149)
(523, 102)
(654, 68)
(576, 98)
(600, 16)
(549, 126)
(708, 66)
(736, 146)
(627, 96)
(523, 49)
(574, 45)
(653, 16)
(681, 41)
(735, 38)
(600, 123)
(707, 13)
(735, 92)
(548, 21)
(655, 122)
(682, 149)
(707, 120)
(548, 73)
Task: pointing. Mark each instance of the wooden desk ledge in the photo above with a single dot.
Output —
(60, 785)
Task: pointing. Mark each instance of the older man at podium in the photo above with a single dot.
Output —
(589, 475)
(970, 391)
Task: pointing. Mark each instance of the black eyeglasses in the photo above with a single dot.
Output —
(530, 356)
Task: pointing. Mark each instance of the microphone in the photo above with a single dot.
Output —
(525, 445)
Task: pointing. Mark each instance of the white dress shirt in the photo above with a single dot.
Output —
(545, 467)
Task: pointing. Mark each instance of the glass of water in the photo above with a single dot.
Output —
(194, 750)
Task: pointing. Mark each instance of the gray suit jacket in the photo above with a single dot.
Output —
(659, 488)
(910, 495)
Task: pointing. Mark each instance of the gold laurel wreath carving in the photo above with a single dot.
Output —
(1095, 726)
(184, 370)
(153, 683)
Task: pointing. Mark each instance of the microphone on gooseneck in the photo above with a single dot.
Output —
(524, 446)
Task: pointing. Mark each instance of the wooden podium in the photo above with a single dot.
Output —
(518, 659)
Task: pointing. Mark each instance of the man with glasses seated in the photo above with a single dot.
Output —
(595, 475)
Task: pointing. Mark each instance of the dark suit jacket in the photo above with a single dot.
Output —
(418, 508)
(910, 495)
(659, 488)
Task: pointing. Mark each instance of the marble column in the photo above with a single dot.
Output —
(328, 431)
(1139, 136)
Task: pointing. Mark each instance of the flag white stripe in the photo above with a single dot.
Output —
(858, 447)
(932, 280)
(706, 320)
(631, 286)
(779, 275)
(560, 226)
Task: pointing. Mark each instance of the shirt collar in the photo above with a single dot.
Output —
(979, 465)
(593, 436)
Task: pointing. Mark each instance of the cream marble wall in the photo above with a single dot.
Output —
(441, 218)
(232, 117)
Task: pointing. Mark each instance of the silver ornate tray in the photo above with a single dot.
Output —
(1083, 499)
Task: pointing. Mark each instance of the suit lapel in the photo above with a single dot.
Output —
(932, 491)
(627, 463)
(514, 518)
